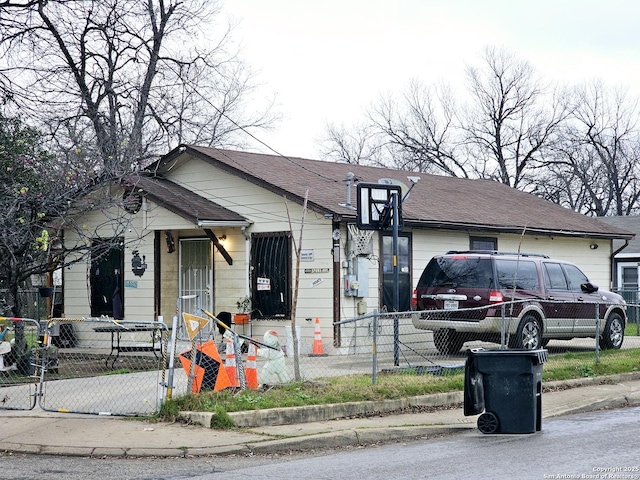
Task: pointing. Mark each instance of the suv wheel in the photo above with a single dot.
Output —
(448, 341)
(613, 332)
(529, 333)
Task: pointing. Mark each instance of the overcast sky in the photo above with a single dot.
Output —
(329, 60)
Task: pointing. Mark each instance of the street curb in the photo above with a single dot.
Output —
(320, 413)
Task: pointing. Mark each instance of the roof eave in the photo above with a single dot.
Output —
(203, 223)
(516, 230)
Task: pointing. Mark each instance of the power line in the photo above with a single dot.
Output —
(243, 129)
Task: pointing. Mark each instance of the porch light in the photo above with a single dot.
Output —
(138, 265)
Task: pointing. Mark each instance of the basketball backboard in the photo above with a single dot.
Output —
(375, 206)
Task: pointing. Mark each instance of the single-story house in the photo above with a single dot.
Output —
(222, 225)
(626, 257)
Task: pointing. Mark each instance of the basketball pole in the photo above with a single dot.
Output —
(396, 283)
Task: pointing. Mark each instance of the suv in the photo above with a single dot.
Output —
(552, 299)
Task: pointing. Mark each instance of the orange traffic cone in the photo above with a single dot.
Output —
(230, 363)
(317, 350)
(251, 368)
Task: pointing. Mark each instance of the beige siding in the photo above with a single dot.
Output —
(594, 263)
(270, 212)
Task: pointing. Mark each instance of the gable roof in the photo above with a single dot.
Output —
(183, 202)
(435, 201)
(630, 223)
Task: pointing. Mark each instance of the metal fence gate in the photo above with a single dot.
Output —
(94, 366)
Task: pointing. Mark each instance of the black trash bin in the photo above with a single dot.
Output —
(507, 386)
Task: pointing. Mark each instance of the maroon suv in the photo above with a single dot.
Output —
(527, 299)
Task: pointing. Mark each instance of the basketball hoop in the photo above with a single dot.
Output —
(360, 240)
(375, 210)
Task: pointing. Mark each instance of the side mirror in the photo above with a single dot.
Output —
(589, 287)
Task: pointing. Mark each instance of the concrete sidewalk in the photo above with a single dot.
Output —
(41, 432)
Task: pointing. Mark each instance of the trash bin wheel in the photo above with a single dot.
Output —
(487, 422)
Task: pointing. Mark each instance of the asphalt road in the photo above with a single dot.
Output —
(595, 445)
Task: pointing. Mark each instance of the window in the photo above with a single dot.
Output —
(576, 277)
(483, 243)
(518, 274)
(458, 273)
(554, 278)
(271, 275)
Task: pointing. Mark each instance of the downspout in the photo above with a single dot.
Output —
(337, 285)
(157, 275)
(612, 260)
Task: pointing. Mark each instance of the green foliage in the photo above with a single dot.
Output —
(221, 420)
(26, 183)
(390, 385)
(576, 365)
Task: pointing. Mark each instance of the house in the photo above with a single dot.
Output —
(220, 225)
(626, 257)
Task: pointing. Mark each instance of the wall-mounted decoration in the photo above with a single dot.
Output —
(138, 265)
(132, 201)
(171, 244)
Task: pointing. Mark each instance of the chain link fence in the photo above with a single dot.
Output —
(94, 366)
(436, 341)
(100, 366)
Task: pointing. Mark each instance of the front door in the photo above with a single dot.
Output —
(106, 279)
(196, 275)
(404, 273)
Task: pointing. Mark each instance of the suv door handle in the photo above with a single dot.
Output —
(580, 299)
(550, 297)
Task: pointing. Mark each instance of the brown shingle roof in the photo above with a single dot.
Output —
(183, 202)
(629, 223)
(435, 201)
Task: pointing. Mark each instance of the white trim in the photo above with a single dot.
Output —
(627, 255)
(619, 268)
(222, 223)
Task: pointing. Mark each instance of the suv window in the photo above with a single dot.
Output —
(459, 272)
(519, 274)
(554, 278)
(576, 277)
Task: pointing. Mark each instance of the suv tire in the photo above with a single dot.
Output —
(613, 333)
(448, 341)
(528, 336)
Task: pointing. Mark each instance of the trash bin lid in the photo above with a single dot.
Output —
(539, 356)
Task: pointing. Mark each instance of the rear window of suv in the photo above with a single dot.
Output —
(458, 272)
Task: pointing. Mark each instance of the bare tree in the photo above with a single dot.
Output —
(416, 133)
(420, 131)
(501, 134)
(117, 82)
(575, 147)
(510, 120)
(600, 148)
(357, 146)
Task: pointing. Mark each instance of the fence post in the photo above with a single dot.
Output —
(597, 333)
(374, 347)
(503, 333)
